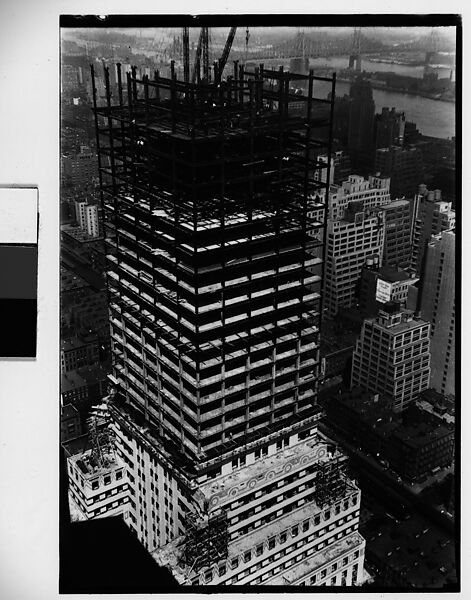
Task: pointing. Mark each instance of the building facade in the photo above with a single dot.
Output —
(398, 218)
(350, 242)
(389, 128)
(392, 356)
(438, 306)
(431, 216)
(87, 218)
(214, 276)
(404, 166)
(373, 192)
(361, 125)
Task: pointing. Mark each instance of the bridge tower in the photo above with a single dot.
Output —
(431, 49)
(355, 53)
(300, 61)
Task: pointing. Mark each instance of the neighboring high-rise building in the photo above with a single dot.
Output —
(398, 217)
(438, 306)
(431, 216)
(355, 231)
(87, 217)
(361, 125)
(80, 212)
(404, 166)
(392, 355)
(215, 276)
(389, 128)
(372, 192)
(79, 170)
(340, 168)
(91, 220)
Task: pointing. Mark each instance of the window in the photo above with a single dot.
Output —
(283, 537)
(313, 579)
(95, 484)
(259, 550)
(294, 531)
(234, 563)
(107, 479)
(247, 556)
(305, 525)
(222, 570)
(271, 543)
(323, 573)
(208, 576)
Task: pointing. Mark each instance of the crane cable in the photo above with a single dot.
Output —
(247, 36)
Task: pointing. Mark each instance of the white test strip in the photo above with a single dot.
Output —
(18, 215)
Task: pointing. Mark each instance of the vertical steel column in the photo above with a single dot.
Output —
(327, 191)
(186, 54)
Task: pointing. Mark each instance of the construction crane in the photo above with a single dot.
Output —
(202, 52)
(201, 49)
(225, 55)
(186, 54)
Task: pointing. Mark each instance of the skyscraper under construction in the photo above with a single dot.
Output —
(214, 229)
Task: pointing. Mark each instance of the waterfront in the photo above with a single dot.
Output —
(417, 109)
(337, 63)
(435, 118)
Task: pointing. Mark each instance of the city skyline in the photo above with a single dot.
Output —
(250, 227)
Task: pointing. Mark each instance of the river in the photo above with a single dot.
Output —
(432, 117)
(341, 62)
(435, 118)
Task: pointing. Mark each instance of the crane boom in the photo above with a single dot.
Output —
(186, 54)
(197, 68)
(205, 53)
(225, 54)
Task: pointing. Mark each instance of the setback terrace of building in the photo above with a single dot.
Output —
(299, 455)
(321, 559)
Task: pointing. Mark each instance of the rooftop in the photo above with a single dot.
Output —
(71, 343)
(392, 274)
(89, 466)
(71, 281)
(414, 427)
(71, 380)
(93, 373)
(423, 555)
(79, 234)
(68, 411)
(314, 562)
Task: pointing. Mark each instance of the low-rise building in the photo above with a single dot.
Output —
(77, 352)
(410, 554)
(412, 443)
(70, 423)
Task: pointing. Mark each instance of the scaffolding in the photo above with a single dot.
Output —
(206, 540)
(209, 197)
(330, 482)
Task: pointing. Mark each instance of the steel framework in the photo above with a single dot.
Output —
(215, 233)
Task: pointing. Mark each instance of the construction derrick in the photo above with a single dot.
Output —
(101, 436)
